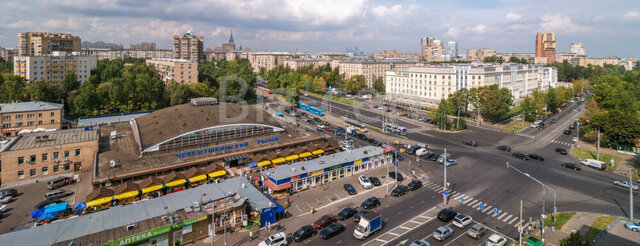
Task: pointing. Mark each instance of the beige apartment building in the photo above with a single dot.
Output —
(33, 157)
(433, 49)
(425, 86)
(395, 55)
(179, 70)
(546, 46)
(19, 116)
(53, 67)
(41, 43)
(7, 54)
(267, 60)
(295, 63)
(188, 46)
(372, 69)
(109, 54)
(479, 54)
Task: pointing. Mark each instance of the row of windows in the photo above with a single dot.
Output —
(45, 156)
(29, 123)
(29, 116)
(44, 170)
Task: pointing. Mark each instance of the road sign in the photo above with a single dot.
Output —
(395, 163)
(482, 206)
(444, 198)
(448, 184)
(444, 192)
(462, 199)
(497, 211)
(520, 229)
(543, 216)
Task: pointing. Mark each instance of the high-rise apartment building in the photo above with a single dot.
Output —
(577, 49)
(372, 69)
(479, 54)
(452, 51)
(267, 60)
(188, 46)
(54, 67)
(395, 55)
(178, 70)
(432, 49)
(546, 46)
(7, 54)
(39, 43)
(143, 46)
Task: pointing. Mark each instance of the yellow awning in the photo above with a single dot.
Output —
(126, 195)
(176, 182)
(151, 188)
(278, 160)
(100, 201)
(292, 157)
(217, 174)
(264, 163)
(317, 152)
(305, 154)
(198, 178)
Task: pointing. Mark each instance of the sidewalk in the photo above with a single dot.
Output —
(627, 158)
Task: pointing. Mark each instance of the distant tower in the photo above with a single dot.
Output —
(231, 38)
(229, 45)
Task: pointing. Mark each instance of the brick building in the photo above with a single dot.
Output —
(16, 117)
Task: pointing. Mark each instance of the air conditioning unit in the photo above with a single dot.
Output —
(112, 163)
(166, 219)
(56, 160)
(130, 227)
(66, 159)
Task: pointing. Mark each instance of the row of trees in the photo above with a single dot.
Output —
(493, 102)
(500, 59)
(568, 72)
(534, 106)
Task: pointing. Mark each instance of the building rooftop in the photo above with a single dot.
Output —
(28, 106)
(107, 119)
(44, 139)
(359, 60)
(171, 60)
(298, 168)
(121, 216)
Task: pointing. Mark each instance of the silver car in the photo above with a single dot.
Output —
(442, 233)
(5, 199)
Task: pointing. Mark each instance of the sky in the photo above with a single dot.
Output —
(606, 28)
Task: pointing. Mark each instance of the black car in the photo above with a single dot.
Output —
(536, 157)
(571, 166)
(349, 188)
(400, 157)
(331, 230)
(553, 120)
(375, 181)
(45, 203)
(347, 213)
(356, 217)
(303, 233)
(521, 155)
(396, 175)
(445, 215)
(561, 151)
(414, 184)
(9, 192)
(470, 143)
(567, 132)
(370, 203)
(399, 191)
(504, 148)
(434, 157)
(428, 155)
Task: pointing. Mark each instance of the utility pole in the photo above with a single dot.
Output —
(598, 148)
(630, 196)
(520, 231)
(387, 178)
(577, 134)
(458, 123)
(445, 172)
(225, 222)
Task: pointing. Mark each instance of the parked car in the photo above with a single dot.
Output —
(45, 203)
(349, 188)
(476, 231)
(445, 215)
(470, 143)
(277, 239)
(553, 120)
(58, 182)
(625, 184)
(571, 166)
(496, 240)
(3, 209)
(462, 220)
(428, 155)
(324, 221)
(56, 194)
(303, 233)
(504, 148)
(634, 226)
(521, 155)
(414, 184)
(419, 243)
(451, 162)
(396, 175)
(536, 157)
(572, 126)
(399, 191)
(370, 203)
(5, 199)
(375, 181)
(399, 157)
(9, 192)
(332, 230)
(360, 213)
(567, 132)
(364, 181)
(442, 233)
(347, 213)
(561, 151)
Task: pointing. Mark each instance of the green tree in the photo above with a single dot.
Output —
(495, 103)
(13, 89)
(531, 109)
(575, 239)
(70, 83)
(378, 84)
(552, 99)
(319, 85)
(292, 96)
(87, 102)
(178, 93)
(201, 90)
(355, 84)
(441, 114)
(113, 69)
(39, 91)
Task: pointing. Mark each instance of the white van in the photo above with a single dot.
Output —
(421, 152)
(594, 164)
(441, 157)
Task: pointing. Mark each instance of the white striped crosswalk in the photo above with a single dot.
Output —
(525, 135)
(561, 142)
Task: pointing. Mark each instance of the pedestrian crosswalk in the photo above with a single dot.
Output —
(525, 135)
(561, 142)
(476, 204)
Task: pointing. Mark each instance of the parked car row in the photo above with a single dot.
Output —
(461, 221)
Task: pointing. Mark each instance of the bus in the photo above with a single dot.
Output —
(361, 127)
(310, 109)
(263, 89)
(394, 128)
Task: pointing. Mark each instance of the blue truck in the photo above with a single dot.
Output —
(369, 224)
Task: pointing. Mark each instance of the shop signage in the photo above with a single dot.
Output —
(189, 222)
(295, 178)
(140, 236)
(268, 140)
(357, 162)
(334, 167)
(211, 150)
(316, 173)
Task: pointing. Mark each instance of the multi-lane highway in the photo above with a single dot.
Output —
(482, 178)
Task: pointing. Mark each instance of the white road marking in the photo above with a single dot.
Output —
(513, 220)
(378, 239)
(507, 218)
(487, 208)
(461, 234)
(472, 204)
(503, 214)
(404, 227)
(395, 234)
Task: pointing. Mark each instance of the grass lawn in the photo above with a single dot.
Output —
(515, 110)
(561, 219)
(591, 154)
(516, 125)
(599, 225)
(340, 99)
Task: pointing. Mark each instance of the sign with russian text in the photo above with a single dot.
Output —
(212, 150)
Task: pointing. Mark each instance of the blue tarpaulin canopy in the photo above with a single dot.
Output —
(279, 209)
(37, 213)
(252, 164)
(56, 209)
(80, 206)
(46, 217)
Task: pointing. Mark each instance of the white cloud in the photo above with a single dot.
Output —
(159, 29)
(452, 32)
(479, 29)
(631, 15)
(77, 24)
(382, 11)
(561, 23)
(20, 25)
(512, 17)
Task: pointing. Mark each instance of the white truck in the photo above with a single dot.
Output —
(369, 224)
(594, 164)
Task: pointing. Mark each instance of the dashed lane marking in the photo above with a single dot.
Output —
(395, 234)
(404, 227)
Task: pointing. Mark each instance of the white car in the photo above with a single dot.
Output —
(462, 220)
(451, 162)
(419, 243)
(275, 240)
(365, 182)
(496, 240)
(625, 184)
(3, 208)
(5, 199)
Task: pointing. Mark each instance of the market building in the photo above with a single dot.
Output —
(307, 174)
(24, 117)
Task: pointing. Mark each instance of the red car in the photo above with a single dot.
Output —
(561, 151)
(324, 221)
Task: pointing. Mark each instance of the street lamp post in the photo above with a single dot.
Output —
(630, 196)
(445, 174)
(577, 134)
(598, 145)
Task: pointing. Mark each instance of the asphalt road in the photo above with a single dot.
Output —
(481, 173)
